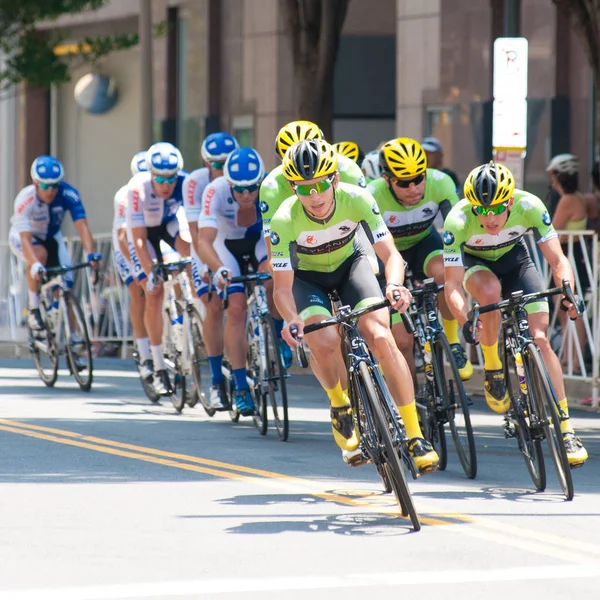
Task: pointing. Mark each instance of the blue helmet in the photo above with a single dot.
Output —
(138, 163)
(244, 167)
(164, 159)
(47, 169)
(217, 146)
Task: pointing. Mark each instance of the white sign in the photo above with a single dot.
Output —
(510, 67)
(509, 123)
(514, 160)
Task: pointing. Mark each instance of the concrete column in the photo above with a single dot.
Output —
(146, 105)
(8, 156)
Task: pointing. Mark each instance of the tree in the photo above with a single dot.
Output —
(314, 28)
(30, 55)
(584, 16)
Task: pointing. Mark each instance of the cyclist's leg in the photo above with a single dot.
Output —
(404, 341)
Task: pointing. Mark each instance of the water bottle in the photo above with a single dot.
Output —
(521, 372)
(177, 329)
(427, 361)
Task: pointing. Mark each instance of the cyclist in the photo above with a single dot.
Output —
(484, 251)
(35, 235)
(350, 150)
(125, 268)
(370, 166)
(230, 229)
(275, 189)
(215, 150)
(410, 196)
(155, 214)
(315, 250)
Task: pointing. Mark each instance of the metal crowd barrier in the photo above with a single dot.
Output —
(106, 305)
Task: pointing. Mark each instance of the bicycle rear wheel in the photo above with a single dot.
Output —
(79, 348)
(391, 453)
(546, 403)
(455, 404)
(522, 415)
(42, 346)
(274, 377)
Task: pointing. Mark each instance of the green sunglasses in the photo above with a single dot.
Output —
(495, 210)
(160, 179)
(49, 186)
(305, 189)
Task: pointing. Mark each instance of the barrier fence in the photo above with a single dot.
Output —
(106, 305)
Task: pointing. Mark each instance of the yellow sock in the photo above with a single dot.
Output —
(565, 426)
(337, 396)
(491, 360)
(409, 416)
(451, 330)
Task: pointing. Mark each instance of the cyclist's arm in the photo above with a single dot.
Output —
(194, 235)
(140, 243)
(283, 295)
(85, 235)
(394, 265)
(206, 249)
(27, 244)
(123, 242)
(559, 263)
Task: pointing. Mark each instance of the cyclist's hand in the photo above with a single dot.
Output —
(204, 274)
(286, 334)
(470, 336)
(36, 269)
(95, 260)
(221, 277)
(399, 296)
(573, 310)
(153, 284)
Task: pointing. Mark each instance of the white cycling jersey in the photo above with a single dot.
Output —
(193, 187)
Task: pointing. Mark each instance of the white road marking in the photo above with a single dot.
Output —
(200, 588)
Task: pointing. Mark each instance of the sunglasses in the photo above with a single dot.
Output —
(495, 210)
(305, 189)
(406, 183)
(218, 165)
(160, 179)
(240, 189)
(49, 186)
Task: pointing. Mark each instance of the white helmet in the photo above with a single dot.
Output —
(138, 163)
(564, 163)
(164, 159)
(370, 165)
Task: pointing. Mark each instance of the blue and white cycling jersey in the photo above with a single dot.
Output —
(193, 187)
(220, 211)
(146, 208)
(44, 220)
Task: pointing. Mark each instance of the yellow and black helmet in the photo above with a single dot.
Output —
(294, 132)
(489, 184)
(403, 158)
(350, 150)
(309, 159)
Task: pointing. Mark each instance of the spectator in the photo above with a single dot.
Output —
(435, 159)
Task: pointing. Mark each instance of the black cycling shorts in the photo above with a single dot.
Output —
(418, 255)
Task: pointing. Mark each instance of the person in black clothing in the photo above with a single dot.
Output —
(435, 160)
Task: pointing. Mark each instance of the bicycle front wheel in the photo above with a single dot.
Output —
(198, 358)
(253, 367)
(455, 404)
(173, 361)
(547, 406)
(42, 346)
(79, 349)
(391, 453)
(274, 378)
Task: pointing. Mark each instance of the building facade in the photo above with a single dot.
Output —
(405, 67)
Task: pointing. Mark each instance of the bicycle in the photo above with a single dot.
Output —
(65, 330)
(383, 438)
(147, 384)
(440, 394)
(266, 375)
(535, 413)
(183, 347)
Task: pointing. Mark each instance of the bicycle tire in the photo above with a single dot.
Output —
(529, 445)
(198, 356)
(456, 402)
(254, 372)
(275, 377)
(83, 380)
(393, 466)
(48, 374)
(173, 363)
(146, 386)
(234, 413)
(546, 402)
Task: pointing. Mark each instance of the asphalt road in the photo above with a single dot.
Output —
(104, 495)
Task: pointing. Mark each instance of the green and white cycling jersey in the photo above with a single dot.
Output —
(276, 188)
(299, 242)
(410, 224)
(463, 232)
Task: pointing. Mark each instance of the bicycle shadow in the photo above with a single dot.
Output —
(511, 494)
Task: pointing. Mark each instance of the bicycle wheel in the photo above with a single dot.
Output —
(234, 413)
(253, 368)
(429, 419)
(198, 358)
(146, 386)
(454, 404)
(391, 453)
(79, 349)
(522, 415)
(274, 377)
(173, 361)
(545, 400)
(42, 346)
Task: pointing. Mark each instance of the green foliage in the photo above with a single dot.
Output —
(30, 54)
